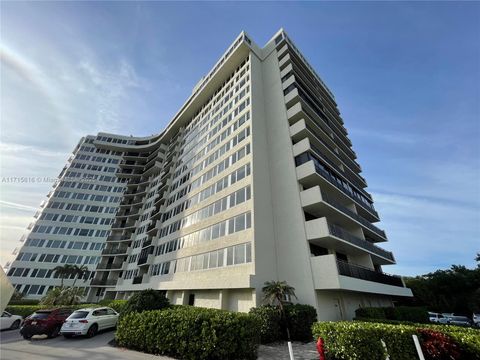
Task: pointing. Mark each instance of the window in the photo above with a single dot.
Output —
(239, 251)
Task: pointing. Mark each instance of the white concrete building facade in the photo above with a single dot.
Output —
(254, 179)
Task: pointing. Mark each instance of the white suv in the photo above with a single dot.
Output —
(89, 321)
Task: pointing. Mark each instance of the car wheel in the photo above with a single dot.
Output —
(67, 336)
(15, 325)
(27, 337)
(54, 332)
(92, 330)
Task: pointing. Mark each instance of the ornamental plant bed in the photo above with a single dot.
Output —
(362, 340)
(191, 333)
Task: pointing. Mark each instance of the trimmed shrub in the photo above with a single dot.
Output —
(117, 305)
(191, 333)
(146, 300)
(410, 313)
(272, 327)
(361, 340)
(23, 310)
(27, 310)
(269, 319)
(24, 302)
(300, 320)
(371, 313)
(400, 313)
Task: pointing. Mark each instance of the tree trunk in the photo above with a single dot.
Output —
(284, 316)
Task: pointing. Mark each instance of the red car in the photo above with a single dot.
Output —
(44, 322)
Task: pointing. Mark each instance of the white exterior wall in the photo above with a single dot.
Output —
(25, 282)
(294, 209)
(6, 290)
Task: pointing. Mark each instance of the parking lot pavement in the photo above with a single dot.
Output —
(14, 347)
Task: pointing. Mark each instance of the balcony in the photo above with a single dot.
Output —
(137, 279)
(115, 251)
(311, 172)
(332, 274)
(124, 226)
(325, 234)
(119, 238)
(360, 272)
(112, 266)
(319, 203)
(153, 226)
(104, 282)
(145, 255)
(303, 110)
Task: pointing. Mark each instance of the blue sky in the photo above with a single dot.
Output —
(405, 75)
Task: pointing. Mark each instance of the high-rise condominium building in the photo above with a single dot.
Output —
(253, 180)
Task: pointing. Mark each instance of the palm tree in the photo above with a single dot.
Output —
(64, 272)
(79, 272)
(278, 292)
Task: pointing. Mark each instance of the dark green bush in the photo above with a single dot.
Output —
(23, 310)
(146, 300)
(24, 302)
(300, 320)
(410, 313)
(400, 313)
(361, 340)
(117, 305)
(269, 319)
(371, 313)
(191, 333)
(26, 310)
(272, 327)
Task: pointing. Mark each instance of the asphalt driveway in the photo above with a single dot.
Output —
(14, 347)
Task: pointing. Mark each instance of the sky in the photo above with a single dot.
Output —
(406, 77)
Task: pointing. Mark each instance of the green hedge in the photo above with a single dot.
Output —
(270, 323)
(190, 333)
(400, 313)
(272, 328)
(117, 305)
(361, 340)
(300, 320)
(26, 310)
(24, 302)
(146, 300)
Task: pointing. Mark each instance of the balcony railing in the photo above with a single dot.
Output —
(354, 215)
(104, 282)
(113, 266)
(119, 238)
(114, 251)
(363, 273)
(332, 181)
(364, 244)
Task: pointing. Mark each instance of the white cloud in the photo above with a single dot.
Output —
(50, 99)
(427, 234)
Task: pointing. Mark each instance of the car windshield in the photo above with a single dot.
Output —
(78, 315)
(40, 315)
